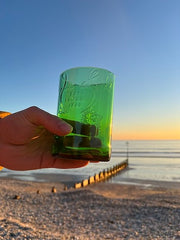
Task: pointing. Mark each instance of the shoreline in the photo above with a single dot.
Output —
(70, 179)
(99, 211)
(146, 183)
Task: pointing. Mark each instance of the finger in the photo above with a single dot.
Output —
(52, 123)
(64, 164)
(56, 162)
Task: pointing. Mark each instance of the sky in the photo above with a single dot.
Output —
(137, 40)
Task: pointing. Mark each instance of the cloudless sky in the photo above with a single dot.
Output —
(138, 40)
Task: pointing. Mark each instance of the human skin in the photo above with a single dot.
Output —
(26, 139)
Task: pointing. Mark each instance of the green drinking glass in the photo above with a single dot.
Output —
(86, 102)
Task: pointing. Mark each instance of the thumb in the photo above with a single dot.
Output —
(51, 122)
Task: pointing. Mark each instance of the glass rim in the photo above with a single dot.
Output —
(76, 68)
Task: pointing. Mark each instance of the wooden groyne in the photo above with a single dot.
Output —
(103, 175)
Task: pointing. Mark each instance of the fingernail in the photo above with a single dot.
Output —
(66, 127)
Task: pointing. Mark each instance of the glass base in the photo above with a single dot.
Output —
(79, 153)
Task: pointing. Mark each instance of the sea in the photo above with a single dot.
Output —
(149, 161)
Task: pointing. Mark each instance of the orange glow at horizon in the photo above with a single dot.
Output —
(163, 133)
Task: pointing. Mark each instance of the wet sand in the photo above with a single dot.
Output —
(99, 211)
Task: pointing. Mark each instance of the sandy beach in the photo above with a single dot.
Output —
(99, 211)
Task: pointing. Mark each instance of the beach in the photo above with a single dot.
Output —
(30, 210)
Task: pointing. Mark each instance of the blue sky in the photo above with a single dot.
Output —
(138, 40)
